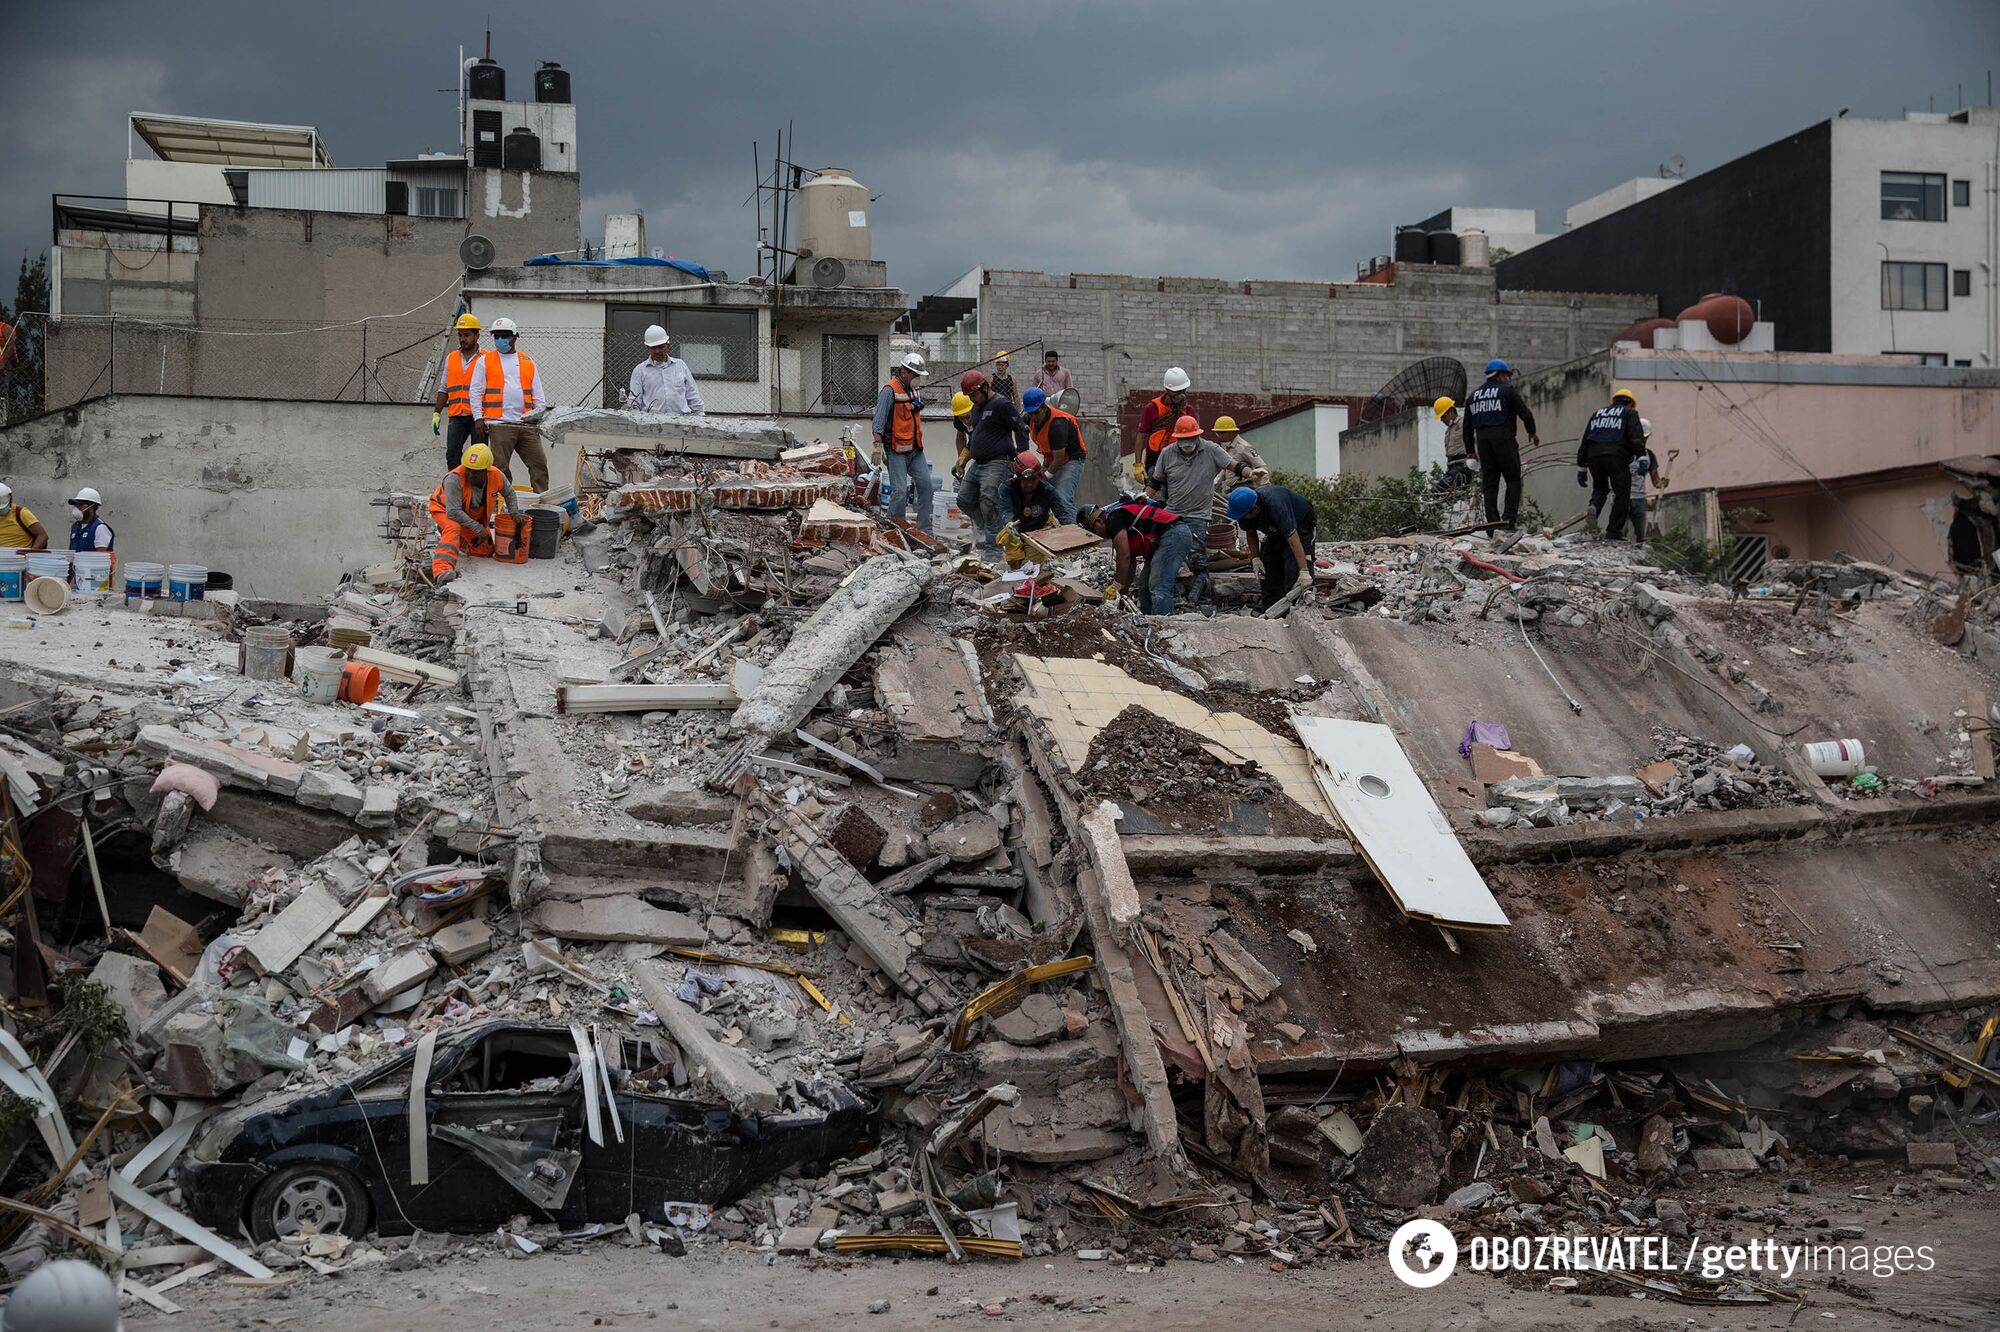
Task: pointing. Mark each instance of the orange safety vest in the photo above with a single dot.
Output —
(458, 383)
(482, 513)
(906, 425)
(496, 385)
(1040, 433)
(1163, 424)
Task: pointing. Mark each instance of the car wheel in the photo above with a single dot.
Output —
(321, 1198)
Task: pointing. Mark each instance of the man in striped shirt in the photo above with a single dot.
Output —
(1139, 528)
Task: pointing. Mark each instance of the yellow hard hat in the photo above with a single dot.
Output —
(1441, 406)
(478, 457)
(1224, 425)
(961, 405)
(468, 320)
(1626, 394)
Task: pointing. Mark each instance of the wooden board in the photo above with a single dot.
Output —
(1064, 540)
(1394, 823)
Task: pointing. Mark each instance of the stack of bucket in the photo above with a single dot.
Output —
(13, 574)
(144, 580)
(187, 582)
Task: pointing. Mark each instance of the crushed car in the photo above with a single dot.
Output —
(565, 1123)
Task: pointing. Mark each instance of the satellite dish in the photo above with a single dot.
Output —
(1069, 400)
(476, 253)
(829, 272)
(1674, 168)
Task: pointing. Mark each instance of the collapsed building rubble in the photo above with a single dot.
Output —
(753, 872)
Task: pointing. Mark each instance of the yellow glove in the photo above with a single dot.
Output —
(434, 423)
(1112, 591)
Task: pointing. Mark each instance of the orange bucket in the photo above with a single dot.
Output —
(359, 682)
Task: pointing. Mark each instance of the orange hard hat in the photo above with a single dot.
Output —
(1186, 428)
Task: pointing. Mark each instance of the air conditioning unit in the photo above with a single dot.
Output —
(396, 198)
(828, 272)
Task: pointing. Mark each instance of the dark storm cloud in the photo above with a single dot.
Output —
(1246, 139)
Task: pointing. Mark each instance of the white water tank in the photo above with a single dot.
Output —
(833, 216)
(1473, 249)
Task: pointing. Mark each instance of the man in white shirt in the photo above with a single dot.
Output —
(662, 382)
(505, 392)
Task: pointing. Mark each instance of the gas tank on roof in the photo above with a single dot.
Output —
(834, 216)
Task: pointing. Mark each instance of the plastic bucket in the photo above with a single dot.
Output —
(359, 682)
(46, 596)
(319, 672)
(1835, 758)
(266, 653)
(93, 570)
(545, 536)
(561, 497)
(186, 582)
(143, 579)
(48, 564)
(13, 573)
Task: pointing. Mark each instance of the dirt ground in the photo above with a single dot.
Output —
(467, 1283)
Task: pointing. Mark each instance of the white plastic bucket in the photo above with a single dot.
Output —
(1835, 758)
(13, 573)
(266, 652)
(48, 564)
(46, 596)
(318, 672)
(187, 582)
(93, 570)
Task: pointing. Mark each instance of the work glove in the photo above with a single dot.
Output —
(1112, 592)
(434, 423)
(1582, 477)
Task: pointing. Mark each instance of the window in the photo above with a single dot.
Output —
(847, 371)
(716, 344)
(1963, 363)
(437, 201)
(1909, 196)
(1961, 194)
(1961, 282)
(1932, 358)
(1912, 286)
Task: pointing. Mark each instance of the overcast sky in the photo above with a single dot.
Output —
(1237, 140)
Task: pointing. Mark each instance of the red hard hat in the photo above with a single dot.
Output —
(1026, 461)
(970, 381)
(1186, 428)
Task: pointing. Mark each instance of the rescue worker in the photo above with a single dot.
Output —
(1279, 524)
(899, 441)
(1491, 411)
(1003, 379)
(998, 433)
(87, 531)
(1035, 502)
(504, 392)
(19, 528)
(463, 508)
(1184, 481)
(1059, 437)
(662, 382)
(1246, 465)
(1457, 471)
(454, 395)
(961, 425)
(1612, 441)
(1140, 529)
(1645, 472)
(1157, 418)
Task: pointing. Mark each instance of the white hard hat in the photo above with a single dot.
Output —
(88, 495)
(504, 326)
(1645, 427)
(656, 336)
(63, 1296)
(1177, 380)
(914, 363)
(6, 492)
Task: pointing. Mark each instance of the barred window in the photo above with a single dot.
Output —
(847, 375)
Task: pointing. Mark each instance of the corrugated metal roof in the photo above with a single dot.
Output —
(343, 191)
(234, 143)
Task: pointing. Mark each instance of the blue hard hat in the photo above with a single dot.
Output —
(1032, 400)
(1241, 501)
(1496, 366)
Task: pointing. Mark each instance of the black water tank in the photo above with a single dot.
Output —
(551, 83)
(486, 82)
(1444, 247)
(522, 150)
(1412, 247)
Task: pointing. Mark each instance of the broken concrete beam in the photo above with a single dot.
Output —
(823, 649)
(725, 1071)
(881, 930)
(320, 789)
(642, 697)
(298, 927)
(967, 838)
(232, 763)
(1118, 893)
(616, 920)
(914, 876)
(462, 942)
(407, 670)
(1229, 951)
(379, 805)
(1598, 790)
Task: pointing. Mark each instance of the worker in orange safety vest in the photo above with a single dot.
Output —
(454, 395)
(504, 393)
(463, 508)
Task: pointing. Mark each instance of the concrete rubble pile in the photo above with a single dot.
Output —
(982, 932)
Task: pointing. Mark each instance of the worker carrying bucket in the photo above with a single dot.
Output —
(468, 518)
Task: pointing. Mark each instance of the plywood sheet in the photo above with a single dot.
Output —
(1077, 697)
(1396, 825)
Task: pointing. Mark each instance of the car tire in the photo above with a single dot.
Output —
(325, 1197)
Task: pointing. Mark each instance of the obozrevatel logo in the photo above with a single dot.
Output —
(1422, 1253)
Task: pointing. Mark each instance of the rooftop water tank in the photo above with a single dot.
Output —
(551, 83)
(485, 81)
(522, 150)
(1411, 247)
(833, 216)
(1474, 249)
(1444, 248)
(1729, 318)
